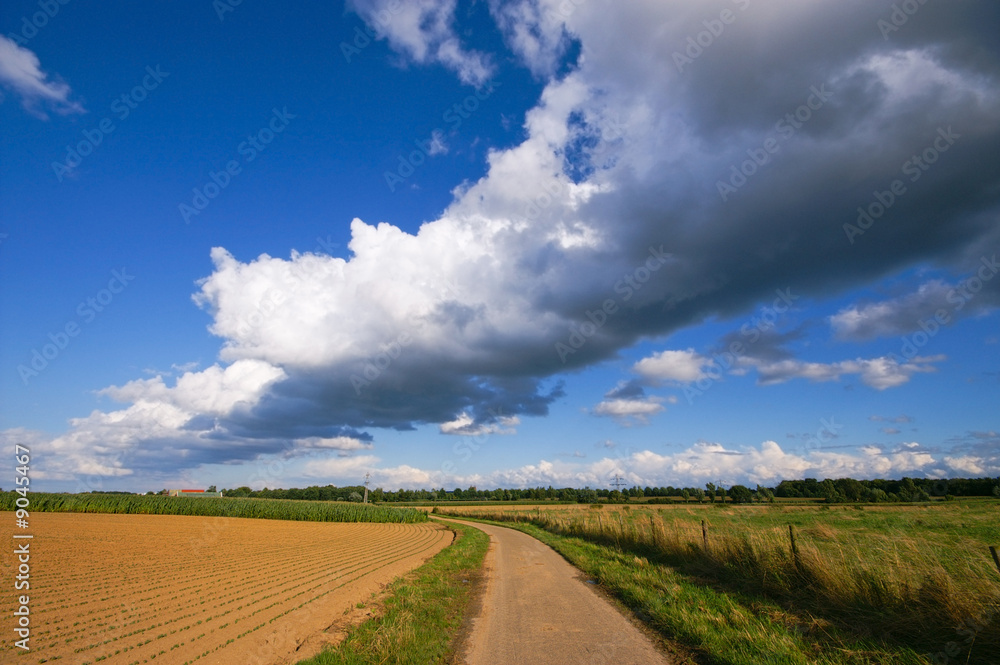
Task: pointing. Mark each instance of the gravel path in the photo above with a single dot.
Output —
(537, 609)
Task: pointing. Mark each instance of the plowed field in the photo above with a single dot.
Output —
(170, 590)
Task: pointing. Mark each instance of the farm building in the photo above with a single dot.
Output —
(193, 493)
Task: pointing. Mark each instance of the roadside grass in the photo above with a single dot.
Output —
(422, 611)
(866, 588)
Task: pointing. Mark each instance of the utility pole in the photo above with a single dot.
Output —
(367, 476)
(618, 482)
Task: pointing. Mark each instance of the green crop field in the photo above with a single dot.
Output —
(274, 509)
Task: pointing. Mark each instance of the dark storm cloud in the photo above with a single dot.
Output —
(839, 112)
(804, 150)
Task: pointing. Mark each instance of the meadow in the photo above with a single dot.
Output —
(807, 583)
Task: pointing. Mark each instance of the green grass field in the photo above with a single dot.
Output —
(274, 509)
(866, 584)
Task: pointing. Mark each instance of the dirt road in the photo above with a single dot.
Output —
(537, 609)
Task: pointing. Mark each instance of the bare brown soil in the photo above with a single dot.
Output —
(171, 589)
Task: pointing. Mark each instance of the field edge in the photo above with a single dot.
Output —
(424, 614)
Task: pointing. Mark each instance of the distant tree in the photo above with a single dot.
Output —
(764, 494)
(354, 497)
(851, 489)
(878, 496)
(828, 490)
(740, 494)
(711, 491)
(908, 490)
(616, 497)
(699, 495)
(788, 489)
(685, 495)
(211, 488)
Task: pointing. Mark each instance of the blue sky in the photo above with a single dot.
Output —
(498, 243)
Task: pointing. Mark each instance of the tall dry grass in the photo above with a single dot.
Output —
(878, 584)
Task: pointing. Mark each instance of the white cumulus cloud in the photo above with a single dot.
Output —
(21, 71)
(423, 31)
(461, 319)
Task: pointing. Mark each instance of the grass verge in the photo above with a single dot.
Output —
(723, 626)
(422, 611)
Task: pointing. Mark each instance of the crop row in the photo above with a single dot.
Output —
(260, 581)
(97, 583)
(129, 588)
(273, 509)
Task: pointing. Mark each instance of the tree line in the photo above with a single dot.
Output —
(842, 490)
